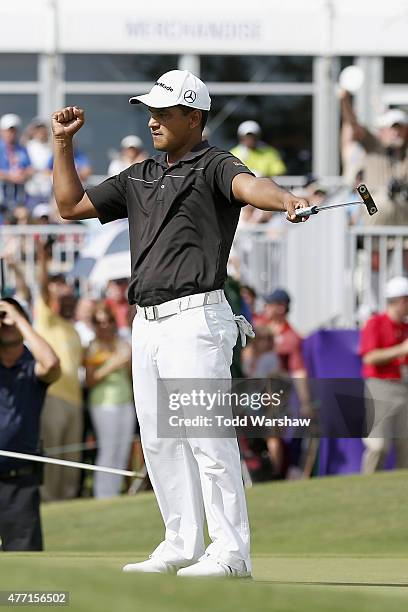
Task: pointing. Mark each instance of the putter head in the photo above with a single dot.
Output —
(367, 199)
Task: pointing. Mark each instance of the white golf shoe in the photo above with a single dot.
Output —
(208, 566)
(153, 565)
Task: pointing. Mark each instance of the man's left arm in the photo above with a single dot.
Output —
(265, 194)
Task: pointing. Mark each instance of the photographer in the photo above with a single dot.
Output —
(24, 377)
(385, 165)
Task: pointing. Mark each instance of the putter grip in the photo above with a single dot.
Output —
(306, 212)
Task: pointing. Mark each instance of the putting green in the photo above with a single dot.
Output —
(337, 543)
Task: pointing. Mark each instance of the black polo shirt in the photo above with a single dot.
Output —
(22, 397)
(182, 221)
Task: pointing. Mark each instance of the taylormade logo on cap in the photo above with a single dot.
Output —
(164, 86)
(176, 87)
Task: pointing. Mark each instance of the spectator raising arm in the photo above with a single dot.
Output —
(43, 279)
(22, 290)
(349, 117)
(72, 201)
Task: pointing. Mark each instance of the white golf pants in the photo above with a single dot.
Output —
(191, 476)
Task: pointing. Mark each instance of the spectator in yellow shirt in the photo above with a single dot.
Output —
(262, 159)
(62, 418)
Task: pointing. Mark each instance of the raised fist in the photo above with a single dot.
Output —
(66, 122)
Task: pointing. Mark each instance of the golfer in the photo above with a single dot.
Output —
(183, 207)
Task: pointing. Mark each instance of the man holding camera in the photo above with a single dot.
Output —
(385, 165)
(24, 377)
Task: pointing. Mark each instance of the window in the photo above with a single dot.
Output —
(18, 67)
(395, 70)
(22, 104)
(112, 67)
(245, 68)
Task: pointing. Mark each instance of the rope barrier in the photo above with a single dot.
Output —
(73, 464)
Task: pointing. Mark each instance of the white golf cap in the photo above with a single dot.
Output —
(131, 141)
(391, 117)
(249, 127)
(42, 210)
(176, 87)
(396, 287)
(10, 120)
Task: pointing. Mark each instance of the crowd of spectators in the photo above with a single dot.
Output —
(26, 169)
(377, 157)
(90, 333)
(93, 400)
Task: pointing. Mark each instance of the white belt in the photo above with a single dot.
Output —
(172, 307)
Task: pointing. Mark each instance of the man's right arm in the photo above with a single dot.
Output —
(72, 201)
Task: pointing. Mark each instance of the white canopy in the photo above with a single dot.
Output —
(292, 27)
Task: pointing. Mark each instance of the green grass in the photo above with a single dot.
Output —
(337, 543)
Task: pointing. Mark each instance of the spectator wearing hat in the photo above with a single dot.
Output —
(131, 152)
(385, 164)
(262, 159)
(42, 213)
(15, 165)
(288, 347)
(384, 350)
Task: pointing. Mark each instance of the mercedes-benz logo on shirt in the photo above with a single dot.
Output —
(190, 96)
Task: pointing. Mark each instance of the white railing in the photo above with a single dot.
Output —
(261, 259)
(21, 242)
(376, 254)
(335, 274)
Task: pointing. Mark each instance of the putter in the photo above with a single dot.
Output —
(367, 200)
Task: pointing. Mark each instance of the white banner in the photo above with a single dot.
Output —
(293, 27)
